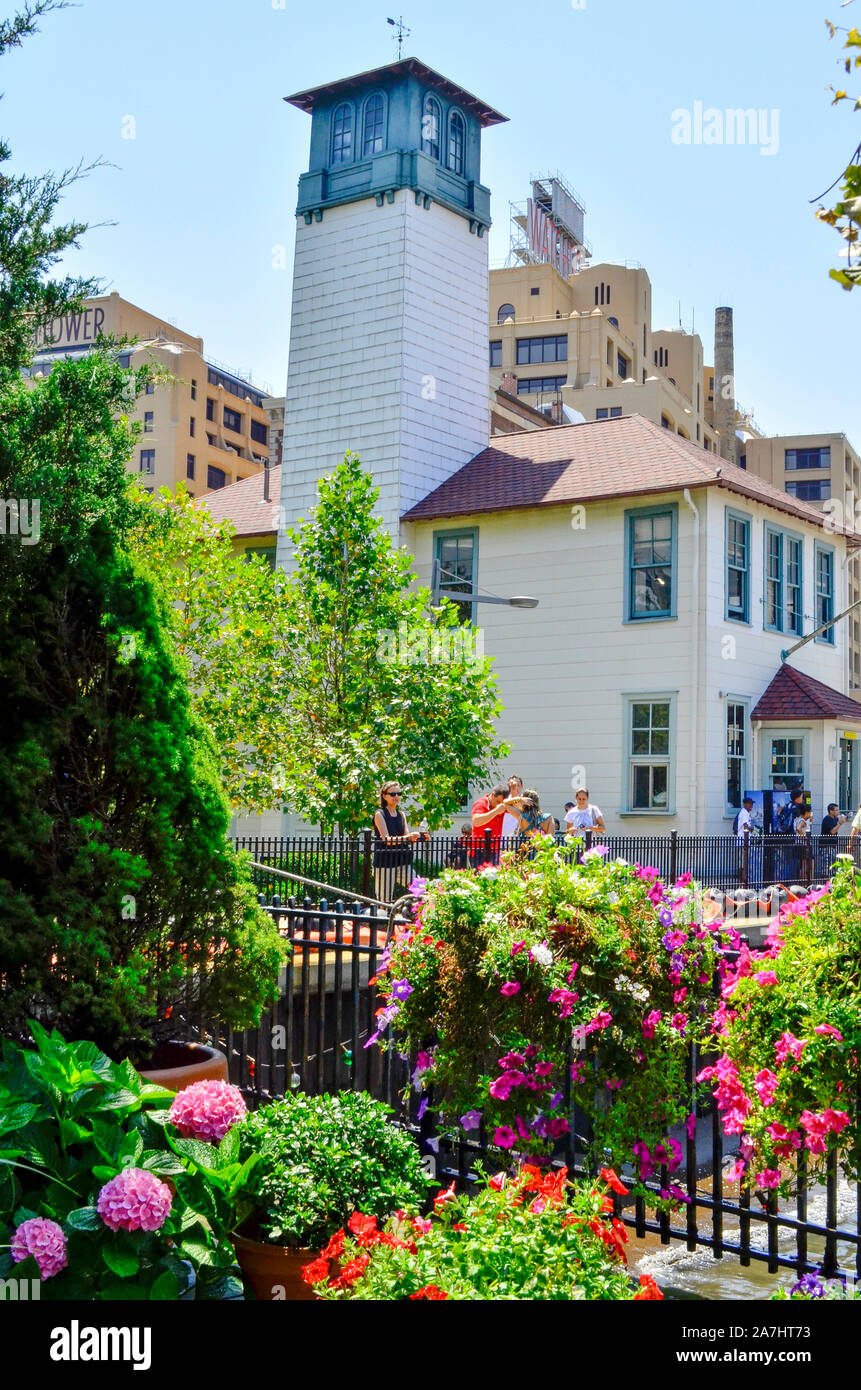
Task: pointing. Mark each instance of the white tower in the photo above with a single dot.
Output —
(388, 336)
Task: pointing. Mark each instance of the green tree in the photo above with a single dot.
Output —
(227, 611)
(845, 215)
(370, 695)
(119, 894)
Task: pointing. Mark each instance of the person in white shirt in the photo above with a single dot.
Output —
(584, 816)
(510, 823)
(744, 819)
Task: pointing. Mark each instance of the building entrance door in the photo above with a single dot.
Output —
(847, 783)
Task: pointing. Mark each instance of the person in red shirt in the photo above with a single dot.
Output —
(488, 812)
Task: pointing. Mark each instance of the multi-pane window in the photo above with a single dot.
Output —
(147, 460)
(215, 477)
(431, 127)
(189, 466)
(623, 366)
(531, 351)
(375, 112)
(736, 752)
(193, 389)
(608, 412)
(191, 425)
(342, 134)
(529, 385)
(808, 458)
(210, 408)
(650, 564)
(737, 568)
(505, 311)
(824, 592)
(783, 557)
(649, 752)
(232, 420)
(259, 432)
(818, 491)
(456, 142)
(787, 763)
(150, 388)
(496, 353)
(455, 553)
(148, 422)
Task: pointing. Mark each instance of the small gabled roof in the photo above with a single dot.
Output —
(792, 695)
(242, 503)
(484, 114)
(593, 461)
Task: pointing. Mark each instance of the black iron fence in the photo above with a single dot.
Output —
(318, 1038)
(721, 862)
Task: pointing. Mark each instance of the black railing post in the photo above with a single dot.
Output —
(366, 863)
(744, 871)
(674, 855)
(487, 849)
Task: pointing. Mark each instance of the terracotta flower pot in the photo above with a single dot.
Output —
(274, 1271)
(176, 1065)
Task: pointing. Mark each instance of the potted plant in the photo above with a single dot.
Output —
(93, 1201)
(317, 1159)
(531, 1235)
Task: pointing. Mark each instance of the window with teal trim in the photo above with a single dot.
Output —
(342, 134)
(651, 549)
(737, 568)
(456, 142)
(783, 587)
(374, 129)
(431, 127)
(456, 553)
(649, 754)
(824, 592)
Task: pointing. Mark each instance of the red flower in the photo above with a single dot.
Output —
(442, 1198)
(316, 1271)
(362, 1225)
(497, 1182)
(649, 1289)
(458, 1226)
(613, 1181)
(430, 1291)
(350, 1273)
(335, 1248)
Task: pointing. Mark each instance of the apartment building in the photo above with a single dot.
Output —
(202, 425)
(824, 470)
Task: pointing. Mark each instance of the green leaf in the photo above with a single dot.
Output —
(228, 1149)
(85, 1219)
(17, 1116)
(120, 1258)
(165, 1287)
(164, 1162)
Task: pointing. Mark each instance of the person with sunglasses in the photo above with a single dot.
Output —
(393, 844)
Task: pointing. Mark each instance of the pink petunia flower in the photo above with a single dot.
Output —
(510, 988)
(826, 1030)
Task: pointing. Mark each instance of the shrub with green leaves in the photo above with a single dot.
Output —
(322, 1158)
(74, 1124)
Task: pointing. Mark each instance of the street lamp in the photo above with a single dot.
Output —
(456, 596)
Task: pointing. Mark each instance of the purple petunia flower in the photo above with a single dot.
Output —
(401, 989)
(471, 1120)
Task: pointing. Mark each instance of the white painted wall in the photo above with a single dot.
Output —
(388, 351)
(565, 667)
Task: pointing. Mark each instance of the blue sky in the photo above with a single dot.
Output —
(206, 189)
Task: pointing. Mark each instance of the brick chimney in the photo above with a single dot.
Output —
(556, 416)
(724, 403)
(509, 383)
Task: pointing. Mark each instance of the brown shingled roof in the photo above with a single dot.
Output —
(242, 503)
(598, 459)
(792, 695)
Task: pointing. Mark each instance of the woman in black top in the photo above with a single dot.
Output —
(393, 844)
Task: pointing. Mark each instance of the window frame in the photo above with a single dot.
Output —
(342, 147)
(529, 382)
(457, 533)
(558, 340)
(495, 343)
(373, 97)
(502, 314)
(631, 515)
(767, 737)
(746, 520)
(214, 468)
(228, 410)
(795, 537)
(427, 146)
(150, 459)
(455, 160)
(631, 760)
(817, 467)
(820, 548)
(730, 811)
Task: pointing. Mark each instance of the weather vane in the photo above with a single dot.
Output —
(403, 32)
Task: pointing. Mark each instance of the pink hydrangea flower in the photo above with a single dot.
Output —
(45, 1241)
(207, 1110)
(135, 1200)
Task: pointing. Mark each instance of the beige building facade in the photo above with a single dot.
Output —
(202, 426)
(824, 470)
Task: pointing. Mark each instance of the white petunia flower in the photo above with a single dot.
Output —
(542, 954)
